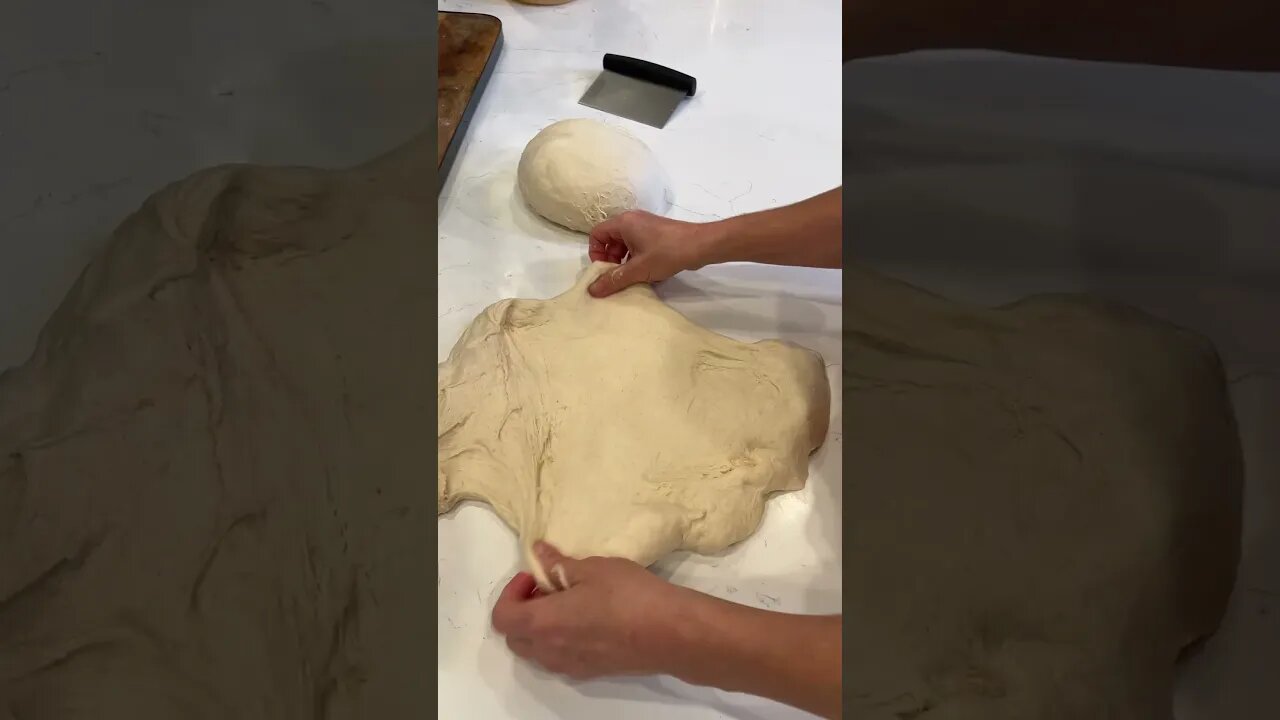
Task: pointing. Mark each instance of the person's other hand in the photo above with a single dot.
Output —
(650, 248)
(615, 618)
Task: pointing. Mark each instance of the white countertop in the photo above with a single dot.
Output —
(91, 122)
(763, 130)
(100, 107)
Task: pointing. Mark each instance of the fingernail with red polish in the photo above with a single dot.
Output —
(524, 577)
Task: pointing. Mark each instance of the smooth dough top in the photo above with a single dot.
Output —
(578, 173)
(617, 427)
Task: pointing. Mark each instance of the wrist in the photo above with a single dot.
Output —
(710, 242)
(699, 642)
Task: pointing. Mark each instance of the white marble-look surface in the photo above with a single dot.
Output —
(101, 104)
(763, 130)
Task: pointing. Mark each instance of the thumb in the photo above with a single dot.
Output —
(635, 270)
(553, 570)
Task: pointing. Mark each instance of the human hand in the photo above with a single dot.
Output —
(615, 618)
(654, 248)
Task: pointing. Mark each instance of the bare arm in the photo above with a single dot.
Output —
(805, 234)
(794, 659)
(653, 248)
(615, 618)
(1215, 34)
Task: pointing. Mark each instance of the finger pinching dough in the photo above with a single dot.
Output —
(618, 427)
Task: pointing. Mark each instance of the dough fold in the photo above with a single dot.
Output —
(617, 427)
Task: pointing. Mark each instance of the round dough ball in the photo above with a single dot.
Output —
(577, 173)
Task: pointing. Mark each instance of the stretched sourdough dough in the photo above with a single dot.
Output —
(617, 427)
(213, 497)
(577, 173)
(212, 491)
(1043, 508)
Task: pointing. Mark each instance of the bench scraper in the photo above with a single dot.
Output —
(638, 90)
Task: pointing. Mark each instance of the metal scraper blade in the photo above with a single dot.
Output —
(644, 102)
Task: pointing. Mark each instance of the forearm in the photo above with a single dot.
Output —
(794, 659)
(1219, 34)
(806, 234)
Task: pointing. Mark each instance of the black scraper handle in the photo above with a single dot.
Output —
(651, 72)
